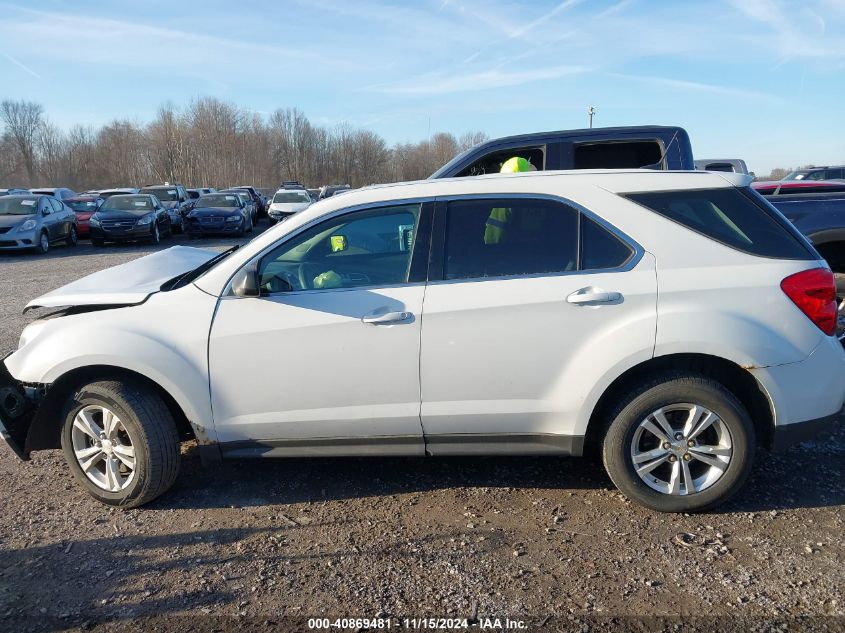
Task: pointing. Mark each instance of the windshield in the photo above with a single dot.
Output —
(165, 194)
(186, 278)
(291, 197)
(219, 200)
(132, 204)
(795, 175)
(82, 205)
(17, 206)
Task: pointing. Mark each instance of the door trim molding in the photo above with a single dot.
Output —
(396, 445)
(382, 445)
(504, 444)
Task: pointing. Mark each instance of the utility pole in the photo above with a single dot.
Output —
(590, 112)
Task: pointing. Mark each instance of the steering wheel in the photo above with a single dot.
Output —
(280, 282)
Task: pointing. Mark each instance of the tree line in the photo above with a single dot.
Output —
(209, 142)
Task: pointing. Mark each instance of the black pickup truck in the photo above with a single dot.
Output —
(649, 146)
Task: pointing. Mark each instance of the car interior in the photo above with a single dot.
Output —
(359, 249)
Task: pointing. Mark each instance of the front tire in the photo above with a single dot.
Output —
(155, 237)
(73, 237)
(43, 245)
(679, 442)
(120, 442)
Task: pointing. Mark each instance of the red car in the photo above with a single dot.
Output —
(84, 207)
(782, 187)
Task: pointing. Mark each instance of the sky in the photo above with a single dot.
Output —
(762, 80)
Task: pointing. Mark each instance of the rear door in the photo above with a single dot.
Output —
(529, 298)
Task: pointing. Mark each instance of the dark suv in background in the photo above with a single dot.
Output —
(175, 199)
(818, 173)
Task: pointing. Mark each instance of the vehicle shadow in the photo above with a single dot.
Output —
(86, 582)
(808, 476)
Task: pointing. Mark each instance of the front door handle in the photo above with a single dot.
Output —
(386, 318)
(593, 296)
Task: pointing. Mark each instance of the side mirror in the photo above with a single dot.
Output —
(45, 212)
(245, 283)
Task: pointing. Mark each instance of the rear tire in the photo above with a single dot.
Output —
(681, 481)
(133, 429)
(73, 237)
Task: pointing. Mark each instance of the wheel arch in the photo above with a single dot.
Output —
(734, 377)
(45, 430)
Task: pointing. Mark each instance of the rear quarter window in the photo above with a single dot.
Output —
(738, 218)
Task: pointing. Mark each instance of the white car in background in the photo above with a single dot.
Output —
(286, 202)
(673, 321)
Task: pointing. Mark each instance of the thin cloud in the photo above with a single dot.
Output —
(694, 86)
(485, 80)
(22, 66)
(524, 30)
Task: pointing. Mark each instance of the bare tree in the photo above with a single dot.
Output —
(212, 142)
(22, 121)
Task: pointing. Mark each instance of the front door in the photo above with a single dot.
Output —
(533, 299)
(326, 361)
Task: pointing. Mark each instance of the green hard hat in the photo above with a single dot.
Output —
(516, 164)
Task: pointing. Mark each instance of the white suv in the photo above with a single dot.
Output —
(672, 320)
(286, 202)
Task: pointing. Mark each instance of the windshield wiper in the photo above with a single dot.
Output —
(185, 278)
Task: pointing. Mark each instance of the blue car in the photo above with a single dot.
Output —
(218, 213)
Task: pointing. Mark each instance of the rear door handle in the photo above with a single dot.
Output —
(386, 318)
(593, 296)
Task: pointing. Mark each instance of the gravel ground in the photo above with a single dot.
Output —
(548, 542)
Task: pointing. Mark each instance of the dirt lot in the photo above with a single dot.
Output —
(545, 541)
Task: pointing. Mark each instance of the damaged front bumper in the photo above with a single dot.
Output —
(17, 411)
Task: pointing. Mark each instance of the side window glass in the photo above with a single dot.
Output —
(600, 248)
(491, 163)
(57, 206)
(510, 236)
(363, 248)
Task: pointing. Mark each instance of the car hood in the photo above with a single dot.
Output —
(123, 215)
(127, 284)
(215, 211)
(13, 220)
(289, 207)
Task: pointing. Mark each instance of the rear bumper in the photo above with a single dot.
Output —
(811, 389)
(811, 430)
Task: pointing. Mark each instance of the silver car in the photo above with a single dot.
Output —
(35, 222)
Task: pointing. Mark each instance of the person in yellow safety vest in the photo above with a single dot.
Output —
(495, 230)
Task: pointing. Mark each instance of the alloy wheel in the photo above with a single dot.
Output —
(103, 448)
(681, 449)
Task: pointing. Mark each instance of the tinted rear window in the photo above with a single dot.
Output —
(617, 154)
(735, 217)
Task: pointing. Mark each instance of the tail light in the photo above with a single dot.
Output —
(814, 292)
